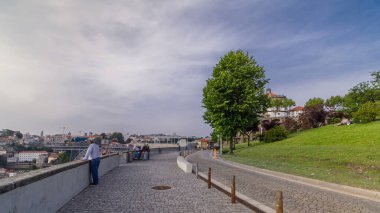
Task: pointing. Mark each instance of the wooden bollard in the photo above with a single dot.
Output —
(279, 203)
(196, 170)
(209, 178)
(233, 194)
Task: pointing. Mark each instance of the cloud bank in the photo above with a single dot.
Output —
(140, 66)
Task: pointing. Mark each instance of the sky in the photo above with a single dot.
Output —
(140, 66)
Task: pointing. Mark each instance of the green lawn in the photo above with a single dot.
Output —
(347, 155)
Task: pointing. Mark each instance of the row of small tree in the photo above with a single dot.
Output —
(234, 101)
(11, 133)
(118, 136)
(360, 104)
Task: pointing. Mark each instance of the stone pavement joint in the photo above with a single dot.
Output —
(128, 188)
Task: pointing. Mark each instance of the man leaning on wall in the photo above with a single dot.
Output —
(93, 154)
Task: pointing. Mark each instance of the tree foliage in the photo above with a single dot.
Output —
(3, 161)
(7, 133)
(362, 93)
(129, 140)
(314, 102)
(334, 103)
(290, 125)
(267, 125)
(19, 135)
(313, 116)
(367, 112)
(376, 79)
(277, 133)
(234, 96)
(63, 157)
(278, 103)
(334, 109)
(249, 131)
(98, 140)
(118, 136)
(214, 136)
(103, 135)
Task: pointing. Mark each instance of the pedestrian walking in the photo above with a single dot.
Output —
(93, 154)
(137, 152)
(148, 150)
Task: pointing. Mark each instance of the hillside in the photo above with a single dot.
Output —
(347, 155)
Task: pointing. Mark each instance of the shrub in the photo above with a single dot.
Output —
(367, 112)
(270, 124)
(291, 125)
(334, 120)
(313, 117)
(277, 133)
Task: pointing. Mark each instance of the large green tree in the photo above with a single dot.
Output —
(334, 103)
(19, 135)
(362, 93)
(234, 96)
(367, 112)
(118, 136)
(314, 102)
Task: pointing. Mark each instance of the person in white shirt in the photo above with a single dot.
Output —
(93, 154)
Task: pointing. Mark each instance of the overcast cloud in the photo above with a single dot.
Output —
(140, 66)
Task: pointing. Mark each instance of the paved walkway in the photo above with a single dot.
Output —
(297, 197)
(128, 188)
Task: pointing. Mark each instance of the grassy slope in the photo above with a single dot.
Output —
(347, 155)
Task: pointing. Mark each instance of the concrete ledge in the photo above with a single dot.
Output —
(48, 189)
(250, 203)
(11, 183)
(184, 165)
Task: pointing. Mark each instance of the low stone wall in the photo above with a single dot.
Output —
(184, 165)
(48, 189)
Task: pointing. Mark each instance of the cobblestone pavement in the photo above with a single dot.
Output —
(297, 197)
(128, 189)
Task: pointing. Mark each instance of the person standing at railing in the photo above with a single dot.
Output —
(93, 154)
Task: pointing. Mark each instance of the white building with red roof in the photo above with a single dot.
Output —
(295, 112)
(281, 113)
(274, 112)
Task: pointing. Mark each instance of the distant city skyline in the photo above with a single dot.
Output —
(140, 66)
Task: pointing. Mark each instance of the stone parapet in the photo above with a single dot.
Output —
(48, 189)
